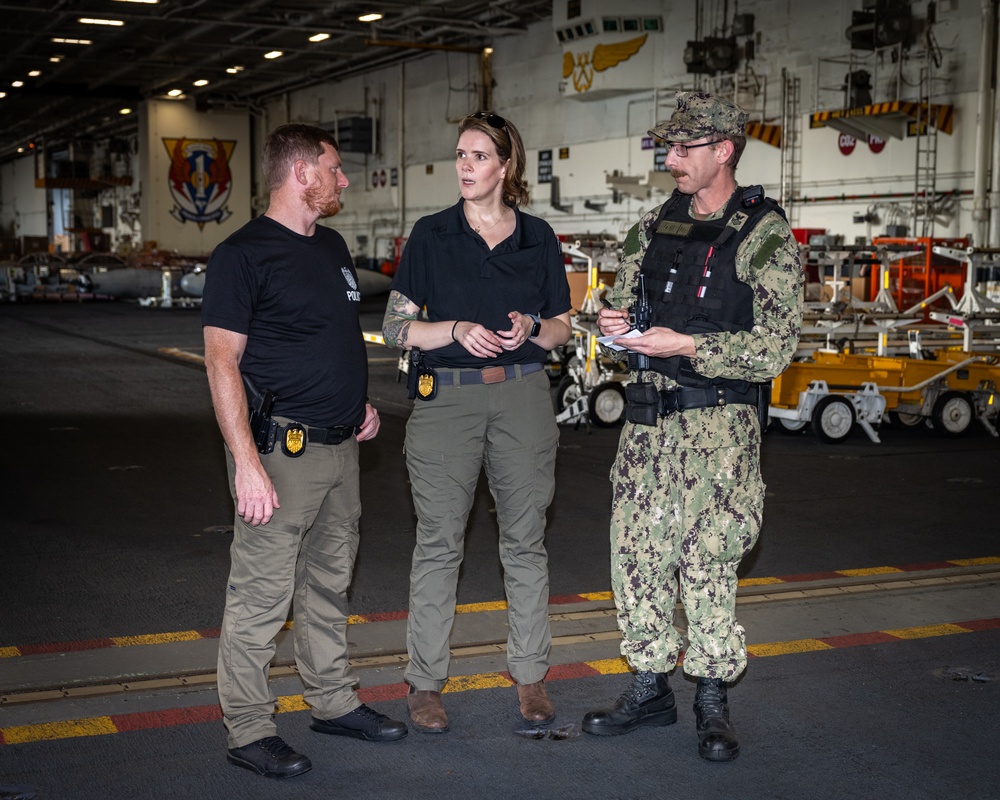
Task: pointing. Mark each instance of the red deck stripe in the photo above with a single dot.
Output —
(856, 639)
(65, 647)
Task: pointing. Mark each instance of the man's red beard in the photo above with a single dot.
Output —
(325, 206)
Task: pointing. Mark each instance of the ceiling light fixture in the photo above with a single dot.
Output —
(319, 37)
(201, 82)
(234, 70)
(17, 84)
(55, 59)
(369, 18)
(124, 111)
(114, 23)
(34, 73)
(60, 40)
(3, 95)
(274, 54)
(175, 93)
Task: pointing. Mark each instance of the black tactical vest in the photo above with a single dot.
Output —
(690, 275)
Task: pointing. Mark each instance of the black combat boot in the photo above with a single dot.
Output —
(716, 737)
(649, 700)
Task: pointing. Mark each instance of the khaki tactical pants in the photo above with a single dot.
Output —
(305, 552)
(509, 430)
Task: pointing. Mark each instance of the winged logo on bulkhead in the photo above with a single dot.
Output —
(582, 66)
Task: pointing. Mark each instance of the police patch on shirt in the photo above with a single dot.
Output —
(352, 294)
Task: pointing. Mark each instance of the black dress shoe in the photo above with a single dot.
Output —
(270, 757)
(648, 701)
(362, 723)
(716, 738)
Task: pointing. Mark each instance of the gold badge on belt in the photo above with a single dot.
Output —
(426, 384)
(294, 442)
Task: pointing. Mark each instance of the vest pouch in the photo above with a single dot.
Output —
(686, 374)
(642, 403)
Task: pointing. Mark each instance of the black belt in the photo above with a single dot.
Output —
(686, 398)
(466, 377)
(335, 435)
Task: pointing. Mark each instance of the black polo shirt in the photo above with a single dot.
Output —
(449, 269)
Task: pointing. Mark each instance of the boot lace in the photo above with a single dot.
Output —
(275, 746)
(708, 699)
(639, 689)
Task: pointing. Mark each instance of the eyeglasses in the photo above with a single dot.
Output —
(491, 119)
(682, 149)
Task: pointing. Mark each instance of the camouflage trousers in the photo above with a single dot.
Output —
(681, 521)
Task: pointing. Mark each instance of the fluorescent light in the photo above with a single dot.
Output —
(34, 73)
(114, 23)
(17, 84)
(55, 59)
(369, 18)
(234, 70)
(274, 54)
(201, 82)
(3, 95)
(175, 93)
(124, 111)
(319, 37)
(60, 40)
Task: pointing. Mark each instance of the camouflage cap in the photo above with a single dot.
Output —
(700, 114)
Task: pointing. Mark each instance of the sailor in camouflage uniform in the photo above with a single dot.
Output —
(723, 282)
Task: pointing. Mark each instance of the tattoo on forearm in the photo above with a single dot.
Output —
(396, 324)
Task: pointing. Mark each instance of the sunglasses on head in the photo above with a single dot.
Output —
(491, 119)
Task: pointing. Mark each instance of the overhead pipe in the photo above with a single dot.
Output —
(984, 129)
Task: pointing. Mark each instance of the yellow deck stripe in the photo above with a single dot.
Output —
(759, 581)
(926, 631)
(292, 702)
(95, 726)
(974, 562)
(485, 680)
(609, 666)
(785, 648)
(471, 608)
(156, 638)
(9, 652)
(869, 571)
(597, 595)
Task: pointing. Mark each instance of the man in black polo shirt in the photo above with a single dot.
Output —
(280, 317)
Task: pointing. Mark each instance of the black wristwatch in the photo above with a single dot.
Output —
(536, 327)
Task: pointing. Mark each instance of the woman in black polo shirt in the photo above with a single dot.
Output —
(493, 281)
